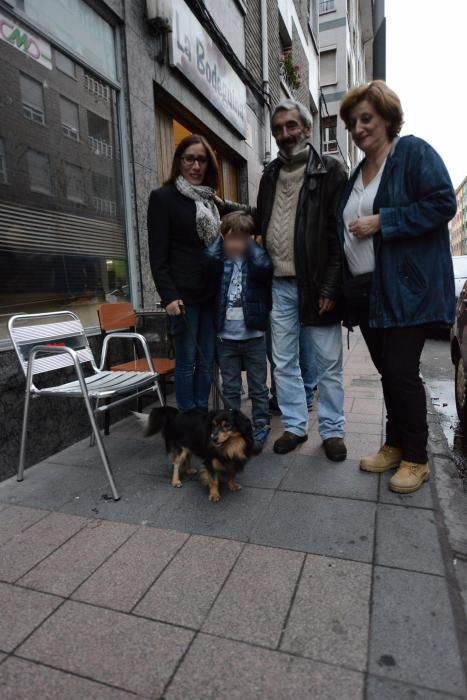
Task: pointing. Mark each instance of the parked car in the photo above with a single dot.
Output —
(459, 263)
(459, 353)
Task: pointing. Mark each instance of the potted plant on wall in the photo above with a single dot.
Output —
(290, 71)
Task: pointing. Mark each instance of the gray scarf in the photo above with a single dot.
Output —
(208, 220)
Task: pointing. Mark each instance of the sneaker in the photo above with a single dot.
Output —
(288, 442)
(260, 436)
(335, 449)
(409, 477)
(274, 406)
(386, 458)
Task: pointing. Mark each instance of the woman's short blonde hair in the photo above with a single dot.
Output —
(384, 100)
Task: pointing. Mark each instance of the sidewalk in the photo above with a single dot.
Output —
(314, 582)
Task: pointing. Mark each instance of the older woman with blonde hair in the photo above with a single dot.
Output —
(393, 224)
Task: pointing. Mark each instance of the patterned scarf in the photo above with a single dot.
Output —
(208, 220)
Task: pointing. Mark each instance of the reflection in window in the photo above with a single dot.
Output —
(98, 136)
(103, 195)
(74, 183)
(32, 97)
(65, 64)
(69, 114)
(3, 171)
(39, 171)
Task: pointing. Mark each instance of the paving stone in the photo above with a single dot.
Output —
(255, 600)
(120, 451)
(318, 525)
(407, 538)
(21, 611)
(413, 636)
(365, 418)
(24, 551)
(368, 406)
(265, 471)
(140, 501)
(24, 680)
(320, 476)
(233, 517)
(330, 614)
(111, 647)
(363, 428)
(217, 668)
(75, 560)
(423, 498)
(360, 445)
(15, 519)
(50, 485)
(383, 689)
(121, 581)
(186, 590)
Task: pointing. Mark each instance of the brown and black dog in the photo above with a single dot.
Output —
(222, 439)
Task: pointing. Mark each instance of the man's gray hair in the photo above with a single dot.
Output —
(289, 105)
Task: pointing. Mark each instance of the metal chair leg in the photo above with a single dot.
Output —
(159, 394)
(92, 437)
(101, 448)
(22, 452)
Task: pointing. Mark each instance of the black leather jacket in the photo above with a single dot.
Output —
(318, 261)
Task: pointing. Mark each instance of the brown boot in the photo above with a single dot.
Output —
(335, 449)
(409, 477)
(288, 442)
(387, 458)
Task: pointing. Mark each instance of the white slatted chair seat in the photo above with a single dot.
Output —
(48, 342)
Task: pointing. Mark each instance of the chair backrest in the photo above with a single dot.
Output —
(116, 317)
(55, 329)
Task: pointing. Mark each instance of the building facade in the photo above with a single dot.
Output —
(352, 51)
(458, 226)
(95, 97)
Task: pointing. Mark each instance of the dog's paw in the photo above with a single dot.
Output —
(214, 497)
(234, 486)
(191, 471)
(177, 484)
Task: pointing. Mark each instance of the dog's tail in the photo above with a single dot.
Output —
(158, 420)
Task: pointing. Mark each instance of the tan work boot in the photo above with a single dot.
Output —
(409, 477)
(387, 458)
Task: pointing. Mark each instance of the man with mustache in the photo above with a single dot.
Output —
(296, 217)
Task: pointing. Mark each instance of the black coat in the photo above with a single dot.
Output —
(318, 258)
(176, 252)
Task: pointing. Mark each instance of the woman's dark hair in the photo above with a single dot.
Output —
(384, 100)
(212, 172)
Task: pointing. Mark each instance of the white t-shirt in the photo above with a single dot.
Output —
(360, 252)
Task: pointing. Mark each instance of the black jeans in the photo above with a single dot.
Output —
(396, 355)
(233, 355)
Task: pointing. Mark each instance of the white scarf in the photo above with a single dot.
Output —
(208, 220)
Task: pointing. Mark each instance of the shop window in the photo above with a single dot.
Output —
(329, 126)
(74, 182)
(98, 136)
(32, 97)
(69, 113)
(3, 170)
(65, 64)
(39, 171)
(66, 251)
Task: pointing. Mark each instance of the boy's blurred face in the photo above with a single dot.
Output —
(235, 244)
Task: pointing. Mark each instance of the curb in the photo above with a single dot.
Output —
(451, 517)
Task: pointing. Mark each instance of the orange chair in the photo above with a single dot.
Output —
(121, 317)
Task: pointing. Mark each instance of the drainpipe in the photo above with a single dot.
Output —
(265, 67)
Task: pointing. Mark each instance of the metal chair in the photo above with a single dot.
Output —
(47, 342)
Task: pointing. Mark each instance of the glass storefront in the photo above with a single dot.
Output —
(62, 235)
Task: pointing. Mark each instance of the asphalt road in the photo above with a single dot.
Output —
(438, 373)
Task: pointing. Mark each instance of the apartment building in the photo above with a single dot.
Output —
(458, 226)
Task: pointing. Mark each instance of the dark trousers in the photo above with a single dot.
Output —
(396, 355)
(250, 355)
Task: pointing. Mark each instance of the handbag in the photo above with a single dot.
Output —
(357, 292)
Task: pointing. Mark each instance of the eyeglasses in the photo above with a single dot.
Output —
(191, 160)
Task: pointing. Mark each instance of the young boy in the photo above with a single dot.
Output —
(243, 273)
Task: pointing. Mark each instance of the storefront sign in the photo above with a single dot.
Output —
(198, 58)
(22, 39)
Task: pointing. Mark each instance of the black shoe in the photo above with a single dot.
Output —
(335, 449)
(288, 442)
(274, 407)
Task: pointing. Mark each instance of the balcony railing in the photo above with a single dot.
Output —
(104, 206)
(100, 147)
(326, 6)
(96, 87)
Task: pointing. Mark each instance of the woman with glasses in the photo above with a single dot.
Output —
(183, 220)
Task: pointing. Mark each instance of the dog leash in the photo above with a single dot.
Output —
(214, 377)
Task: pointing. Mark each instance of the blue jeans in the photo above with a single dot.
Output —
(325, 345)
(235, 355)
(307, 366)
(193, 373)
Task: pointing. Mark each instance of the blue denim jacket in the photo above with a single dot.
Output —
(413, 282)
